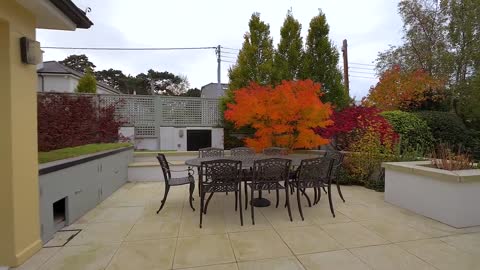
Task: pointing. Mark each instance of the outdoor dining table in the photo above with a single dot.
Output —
(247, 163)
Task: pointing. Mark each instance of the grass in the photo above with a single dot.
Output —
(70, 152)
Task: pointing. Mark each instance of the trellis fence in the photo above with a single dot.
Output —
(148, 113)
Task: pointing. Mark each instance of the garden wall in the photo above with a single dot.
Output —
(77, 185)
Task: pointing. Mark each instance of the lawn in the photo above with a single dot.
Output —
(69, 152)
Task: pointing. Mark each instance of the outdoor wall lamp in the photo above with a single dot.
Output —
(180, 133)
(30, 51)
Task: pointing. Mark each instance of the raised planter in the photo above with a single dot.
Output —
(451, 197)
(69, 188)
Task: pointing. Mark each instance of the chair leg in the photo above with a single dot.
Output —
(240, 202)
(167, 188)
(339, 191)
(299, 204)
(246, 194)
(330, 200)
(315, 195)
(278, 195)
(202, 198)
(236, 201)
(324, 190)
(308, 198)
(208, 201)
(252, 207)
(192, 188)
(287, 195)
(319, 195)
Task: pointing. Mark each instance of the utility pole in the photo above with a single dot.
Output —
(219, 77)
(345, 66)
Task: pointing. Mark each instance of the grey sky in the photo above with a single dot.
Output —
(369, 25)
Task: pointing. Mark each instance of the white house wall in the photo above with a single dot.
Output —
(55, 83)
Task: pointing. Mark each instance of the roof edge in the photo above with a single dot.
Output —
(75, 14)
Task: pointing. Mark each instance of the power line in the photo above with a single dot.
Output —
(361, 68)
(354, 76)
(229, 52)
(228, 61)
(369, 73)
(360, 64)
(230, 48)
(128, 49)
(226, 56)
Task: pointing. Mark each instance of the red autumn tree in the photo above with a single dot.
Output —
(351, 124)
(402, 90)
(284, 116)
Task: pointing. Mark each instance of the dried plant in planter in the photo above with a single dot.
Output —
(447, 159)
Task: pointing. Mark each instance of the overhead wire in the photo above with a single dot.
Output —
(128, 48)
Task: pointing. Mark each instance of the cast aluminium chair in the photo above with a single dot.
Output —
(271, 174)
(242, 152)
(178, 181)
(338, 157)
(275, 151)
(314, 173)
(221, 175)
(210, 152)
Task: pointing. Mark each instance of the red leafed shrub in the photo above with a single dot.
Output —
(67, 121)
(351, 123)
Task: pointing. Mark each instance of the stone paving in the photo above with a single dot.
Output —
(124, 232)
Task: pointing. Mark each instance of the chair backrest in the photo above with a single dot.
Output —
(275, 151)
(165, 167)
(271, 170)
(242, 151)
(315, 170)
(220, 172)
(210, 152)
(338, 157)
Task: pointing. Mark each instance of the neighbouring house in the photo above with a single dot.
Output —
(55, 77)
(211, 90)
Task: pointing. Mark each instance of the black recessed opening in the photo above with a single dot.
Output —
(197, 139)
(59, 211)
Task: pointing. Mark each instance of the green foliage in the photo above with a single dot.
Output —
(113, 77)
(87, 84)
(192, 92)
(446, 127)
(320, 63)
(468, 106)
(288, 57)
(255, 59)
(414, 132)
(79, 63)
(69, 152)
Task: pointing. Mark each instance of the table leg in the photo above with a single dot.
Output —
(260, 201)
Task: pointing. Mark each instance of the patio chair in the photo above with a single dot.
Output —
(314, 173)
(274, 151)
(338, 157)
(271, 174)
(178, 181)
(210, 152)
(242, 152)
(221, 175)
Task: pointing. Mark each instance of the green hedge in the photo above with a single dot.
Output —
(70, 152)
(414, 131)
(449, 128)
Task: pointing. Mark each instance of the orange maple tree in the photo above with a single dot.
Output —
(283, 116)
(402, 90)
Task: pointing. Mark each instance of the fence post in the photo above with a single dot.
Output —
(158, 117)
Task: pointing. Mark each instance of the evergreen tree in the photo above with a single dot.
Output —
(288, 57)
(321, 60)
(78, 62)
(88, 83)
(255, 59)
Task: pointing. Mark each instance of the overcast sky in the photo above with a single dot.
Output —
(368, 25)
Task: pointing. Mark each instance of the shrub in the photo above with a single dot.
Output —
(414, 131)
(87, 84)
(68, 121)
(446, 159)
(447, 128)
(351, 123)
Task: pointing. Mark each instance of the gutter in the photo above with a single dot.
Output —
(75, 14)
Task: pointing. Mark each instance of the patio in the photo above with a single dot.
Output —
(124, 232)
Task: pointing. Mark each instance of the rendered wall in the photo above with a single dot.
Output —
(19, 207)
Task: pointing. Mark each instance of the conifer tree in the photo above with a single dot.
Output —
(88, 83)
(321, 60)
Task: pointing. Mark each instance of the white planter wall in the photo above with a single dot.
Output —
(450, 197)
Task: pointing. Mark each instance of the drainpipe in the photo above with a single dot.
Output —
(43, 83)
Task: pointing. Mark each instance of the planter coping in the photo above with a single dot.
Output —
(57, 165)
(419, 168)
(154, 164)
